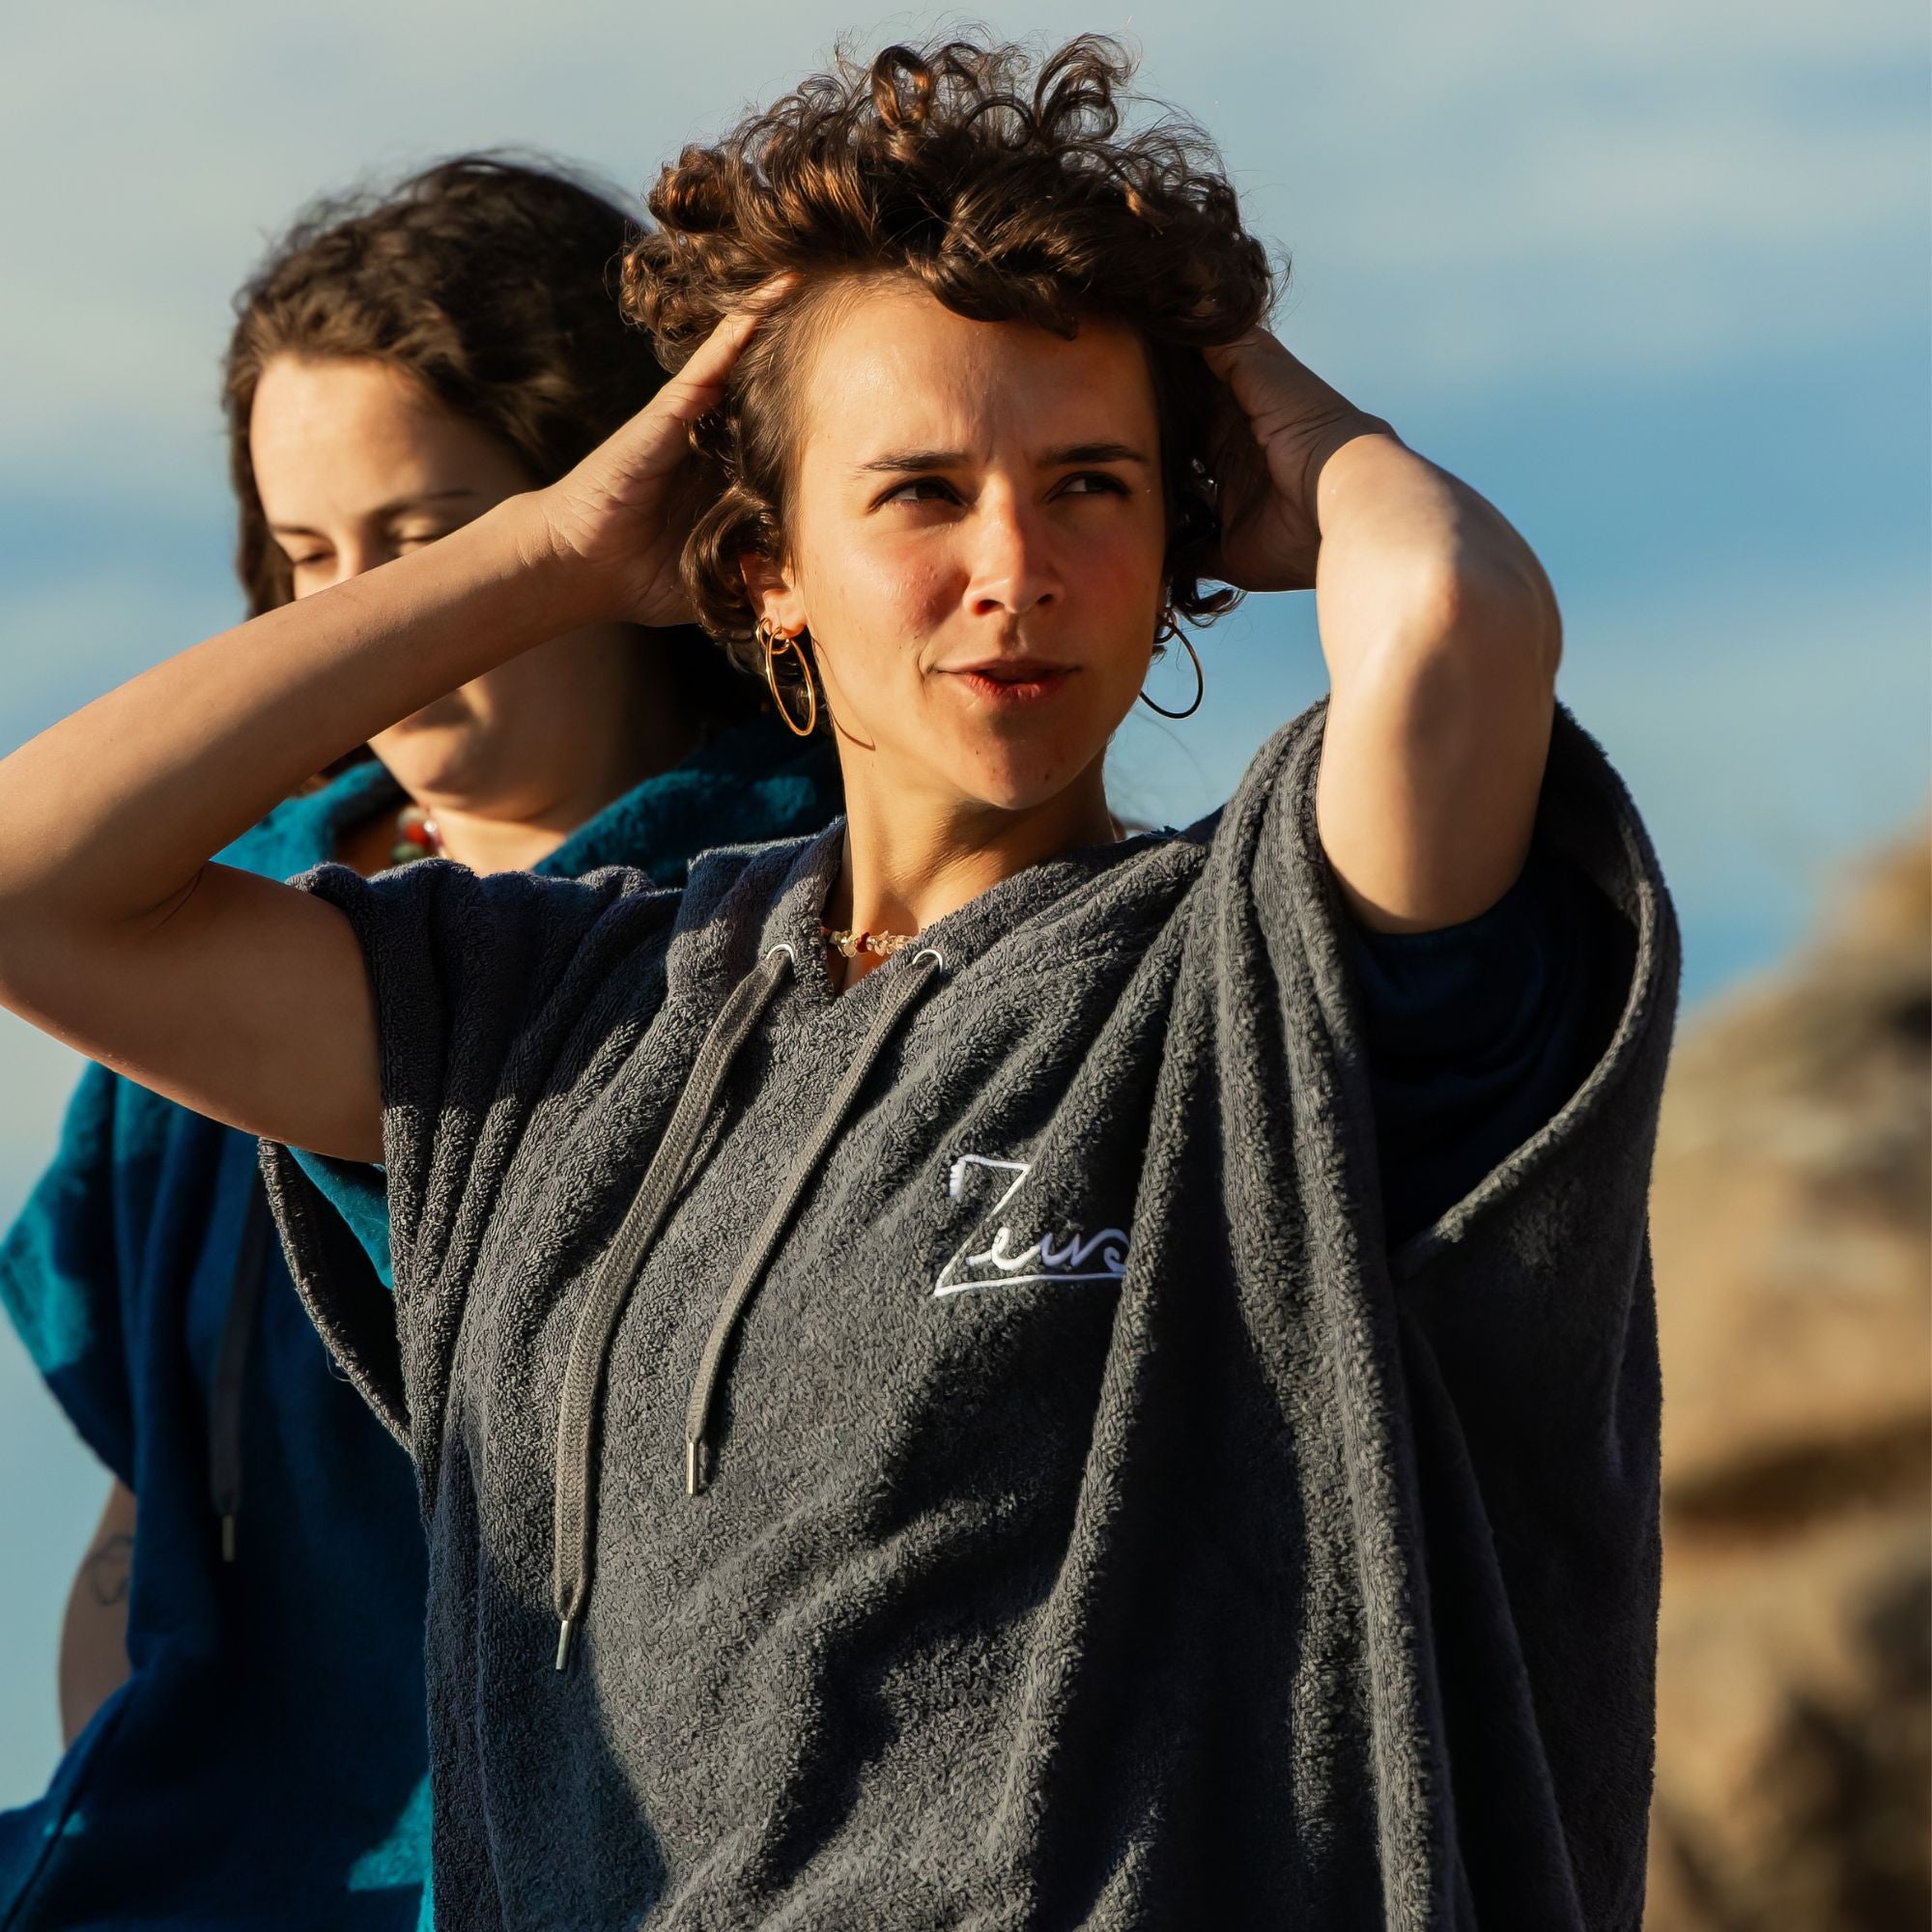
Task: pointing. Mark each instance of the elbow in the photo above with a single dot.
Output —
(31, 916)
(49, 932)
(1465, 682)
(22, 922)
(1489, 623)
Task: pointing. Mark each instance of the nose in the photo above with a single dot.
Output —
(1014, 568)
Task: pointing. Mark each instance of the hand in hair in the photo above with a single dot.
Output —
(241, 998)
(1282, 422)
(622, 515)
(1439, 629)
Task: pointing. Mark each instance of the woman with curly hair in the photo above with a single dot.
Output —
(241, 1661)
(972, 1369)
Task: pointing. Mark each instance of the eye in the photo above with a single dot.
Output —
(923, 490)
(1093, 483)
(415, 539)
(308, 560)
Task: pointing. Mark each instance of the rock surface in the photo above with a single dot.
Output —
(1790, 1218)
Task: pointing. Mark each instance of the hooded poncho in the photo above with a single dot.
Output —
(265, 1764)
(961, 1452)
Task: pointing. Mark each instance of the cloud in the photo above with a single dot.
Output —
(1467, 190)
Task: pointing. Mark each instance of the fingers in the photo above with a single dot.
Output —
(697, 387)
(1223, 358)
(1252, 360)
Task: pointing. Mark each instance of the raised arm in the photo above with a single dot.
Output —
(240, 998)
(1441, 636)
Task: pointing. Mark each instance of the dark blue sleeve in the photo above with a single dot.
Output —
(1478, 1033)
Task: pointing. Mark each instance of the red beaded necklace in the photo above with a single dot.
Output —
(417, 837)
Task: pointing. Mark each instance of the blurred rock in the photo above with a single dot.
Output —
(1791, 1219)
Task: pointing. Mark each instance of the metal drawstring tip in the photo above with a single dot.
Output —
(692, 1458)
(566, 1632)
(228, 1538)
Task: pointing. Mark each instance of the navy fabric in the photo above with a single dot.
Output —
(1477, 1034)
(265, 1764)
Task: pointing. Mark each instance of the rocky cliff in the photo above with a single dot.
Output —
(1791, 1228)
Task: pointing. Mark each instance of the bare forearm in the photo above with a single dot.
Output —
(94, 1633)
(236, 996)
(241, 998)
(1442, 636)
(107, 818)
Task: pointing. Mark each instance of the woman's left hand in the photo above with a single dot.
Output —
(1293, 422)
(1439, 630)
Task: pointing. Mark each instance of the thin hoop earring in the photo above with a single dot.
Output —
(1174, 630)
(775, 646)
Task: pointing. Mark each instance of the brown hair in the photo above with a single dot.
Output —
(1005, 186)
(493, 284)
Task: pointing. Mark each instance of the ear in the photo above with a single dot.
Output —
(774, 593)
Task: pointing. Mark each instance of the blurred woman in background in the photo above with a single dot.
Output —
(241, 1672)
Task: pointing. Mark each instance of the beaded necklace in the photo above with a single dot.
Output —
(417, 837)
(883, 944)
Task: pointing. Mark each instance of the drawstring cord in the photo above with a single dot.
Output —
(231, 1365)
(597, 1326)
(750, 1271)
(584, 1373)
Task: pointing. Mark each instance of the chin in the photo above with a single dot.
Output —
(427, 754)
(1022, 777)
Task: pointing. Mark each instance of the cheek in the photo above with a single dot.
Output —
(1114, 578)
(879, 596)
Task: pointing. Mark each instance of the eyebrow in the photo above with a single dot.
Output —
(923, 461)
(399, 507)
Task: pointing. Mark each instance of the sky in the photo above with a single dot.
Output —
(1653, 277)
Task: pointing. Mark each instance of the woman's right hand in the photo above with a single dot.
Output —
(240, 998)
(621, 514)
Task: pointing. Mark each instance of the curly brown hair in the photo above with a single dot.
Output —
(1005, 185)
(494, 283)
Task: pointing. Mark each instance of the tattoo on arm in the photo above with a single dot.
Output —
(107, 1568)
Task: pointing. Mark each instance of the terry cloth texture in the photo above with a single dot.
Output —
(266, 1763)
(1097, 1527)
(1473, 1036)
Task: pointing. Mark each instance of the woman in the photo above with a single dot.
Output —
(910, 1327)
(398, 366)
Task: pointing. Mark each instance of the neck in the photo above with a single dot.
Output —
(615, 740)
(909, 861)
(486, 842)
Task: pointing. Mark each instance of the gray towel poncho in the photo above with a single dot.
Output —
(993, 1471)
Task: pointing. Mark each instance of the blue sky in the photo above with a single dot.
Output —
(1653, 277)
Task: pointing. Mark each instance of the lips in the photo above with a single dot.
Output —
(1013, 680)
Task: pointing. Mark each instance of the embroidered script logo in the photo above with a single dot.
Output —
(1073, 1256)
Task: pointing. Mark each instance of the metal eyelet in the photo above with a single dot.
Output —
(931, 952)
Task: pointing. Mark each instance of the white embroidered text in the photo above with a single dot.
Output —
(1067, 1257)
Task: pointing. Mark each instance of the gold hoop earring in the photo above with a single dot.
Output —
(775, 646)
(1174, 630)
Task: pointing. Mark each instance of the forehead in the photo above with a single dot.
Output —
(328, 433)
(894, 368)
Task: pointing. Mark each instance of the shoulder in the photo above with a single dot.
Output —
(731, 879)
(1281, 772)
(448, 948)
